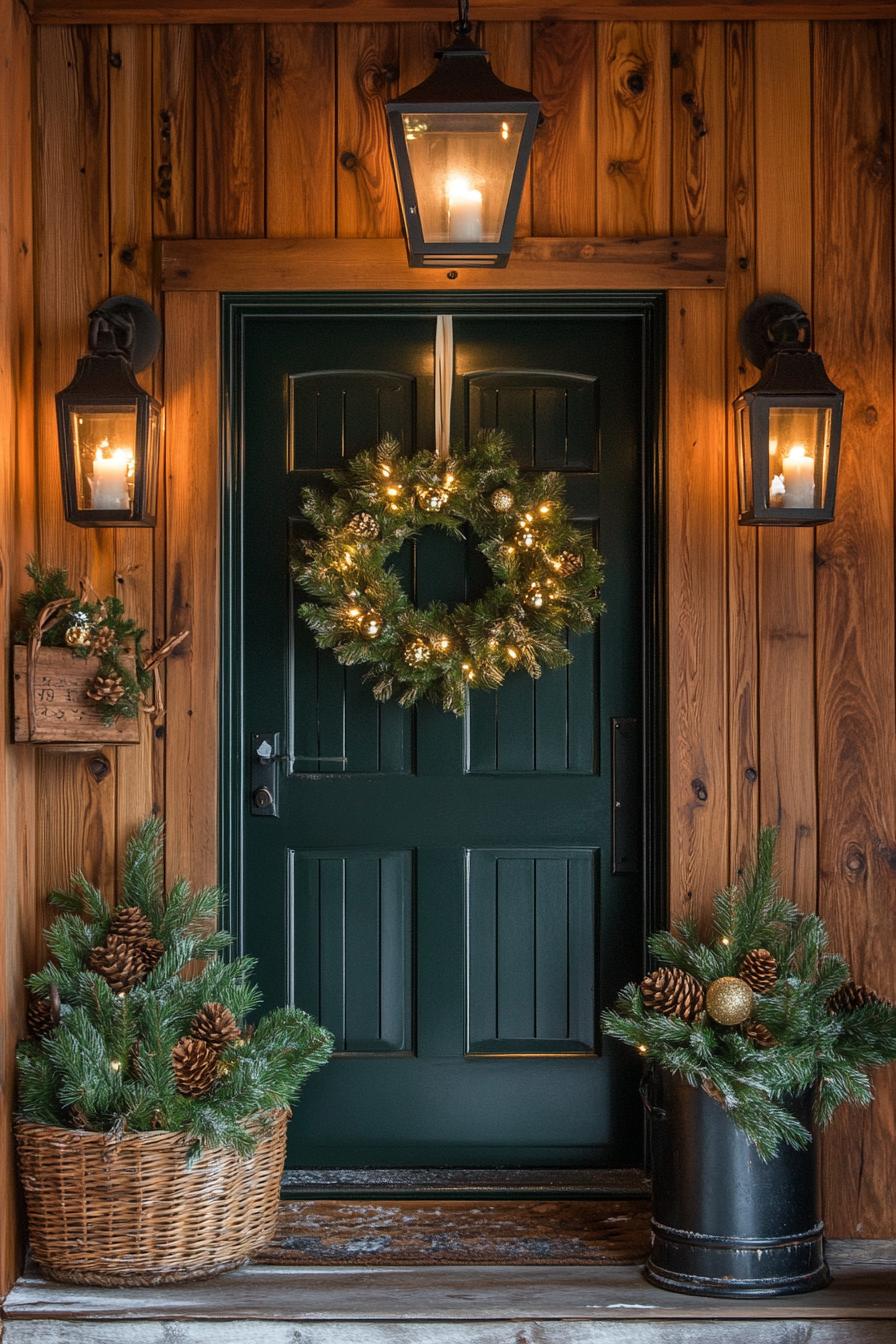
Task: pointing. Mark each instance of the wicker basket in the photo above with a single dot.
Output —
(125, 1211)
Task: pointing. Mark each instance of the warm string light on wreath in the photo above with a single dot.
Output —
(546, 573)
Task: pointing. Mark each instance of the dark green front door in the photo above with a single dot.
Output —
(454, 899)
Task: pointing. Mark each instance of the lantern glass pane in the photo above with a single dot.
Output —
(462, 164)
(799, 445)
(103, 443)
(744, 458)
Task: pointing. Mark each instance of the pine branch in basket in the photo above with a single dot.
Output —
(123, 1053)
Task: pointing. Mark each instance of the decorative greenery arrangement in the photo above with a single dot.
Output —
(546, 574)
(97, 629)
(761, 1013)
(122, 1040)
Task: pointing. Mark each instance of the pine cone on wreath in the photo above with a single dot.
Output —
(43, 1015)
(760, 970)
(851, 996)
(216, 1025)
(759, 1034)
(118, 962)
(673, 992)
(195, 1066)
(106, 690)
(567, 563)
(103, 638)
(130, 924)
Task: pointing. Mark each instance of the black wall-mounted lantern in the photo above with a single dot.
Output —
(108, 425)
(461, 142)
(788, 424)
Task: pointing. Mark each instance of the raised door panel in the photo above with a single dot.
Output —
(531, 952)
(548, 726)
(335, 725)
(350, 921)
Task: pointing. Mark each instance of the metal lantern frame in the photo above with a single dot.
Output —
(776, 335)
(463, 82)
(124, 337)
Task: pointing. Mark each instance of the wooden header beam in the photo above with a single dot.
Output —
(411, 11)
(248, 265)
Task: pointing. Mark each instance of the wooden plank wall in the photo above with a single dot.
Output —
(781, 648)
(19, 918)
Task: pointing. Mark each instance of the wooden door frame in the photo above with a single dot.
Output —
(197, 424)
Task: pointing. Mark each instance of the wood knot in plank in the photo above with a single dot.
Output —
(348, 160)
(855, 863)
(700, 790)
(99, 768)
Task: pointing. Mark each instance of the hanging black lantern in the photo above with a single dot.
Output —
(108, 425)
(788, 424)
(461, 142)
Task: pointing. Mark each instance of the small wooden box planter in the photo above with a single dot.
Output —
(61, 714)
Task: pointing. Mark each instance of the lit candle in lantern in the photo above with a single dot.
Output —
(799, 478)
(109, 483)
(464, 211)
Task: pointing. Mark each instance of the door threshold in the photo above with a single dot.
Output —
(464, 1183)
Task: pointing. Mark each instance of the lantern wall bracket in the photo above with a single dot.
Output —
(126, 325)
(773, 322)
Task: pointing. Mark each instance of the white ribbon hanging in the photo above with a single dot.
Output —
(444, 380)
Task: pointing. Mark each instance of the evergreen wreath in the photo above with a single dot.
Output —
(98, 629)
(124, 1038)
(546, 574)
(760, 1013)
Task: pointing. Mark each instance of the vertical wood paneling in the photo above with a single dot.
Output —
(698, 127)
(300, 111)
(698, 684)
(367, 73)
(510, 46)
(72, 212)
(786, 555)
(743, 616)
(856, 661)
(417, 46)
(192, 323)
(633, 158)
(230, 131)
(19, 909)
(174, 132)
(131, 262)
(563, 155)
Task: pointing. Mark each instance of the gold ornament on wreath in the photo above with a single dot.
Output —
(546, 574)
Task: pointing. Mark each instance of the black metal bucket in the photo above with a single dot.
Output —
(725, 1223)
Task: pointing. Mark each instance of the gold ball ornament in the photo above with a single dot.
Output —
(535, 597)
(502, 500)
(78, 635)
(371, 625)
(567, 563)
(417, 653)
(729, 1000)
(432, 498)
(363, 524)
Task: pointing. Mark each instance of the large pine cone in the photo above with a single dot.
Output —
(216, 1025)
(851, 996)
(43, 1015)
(130, 923)
(106, 690)
(150, 951)
(118, 962)
(673, 992)
(195, 1066)
(760, 970)
(759, 1034)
